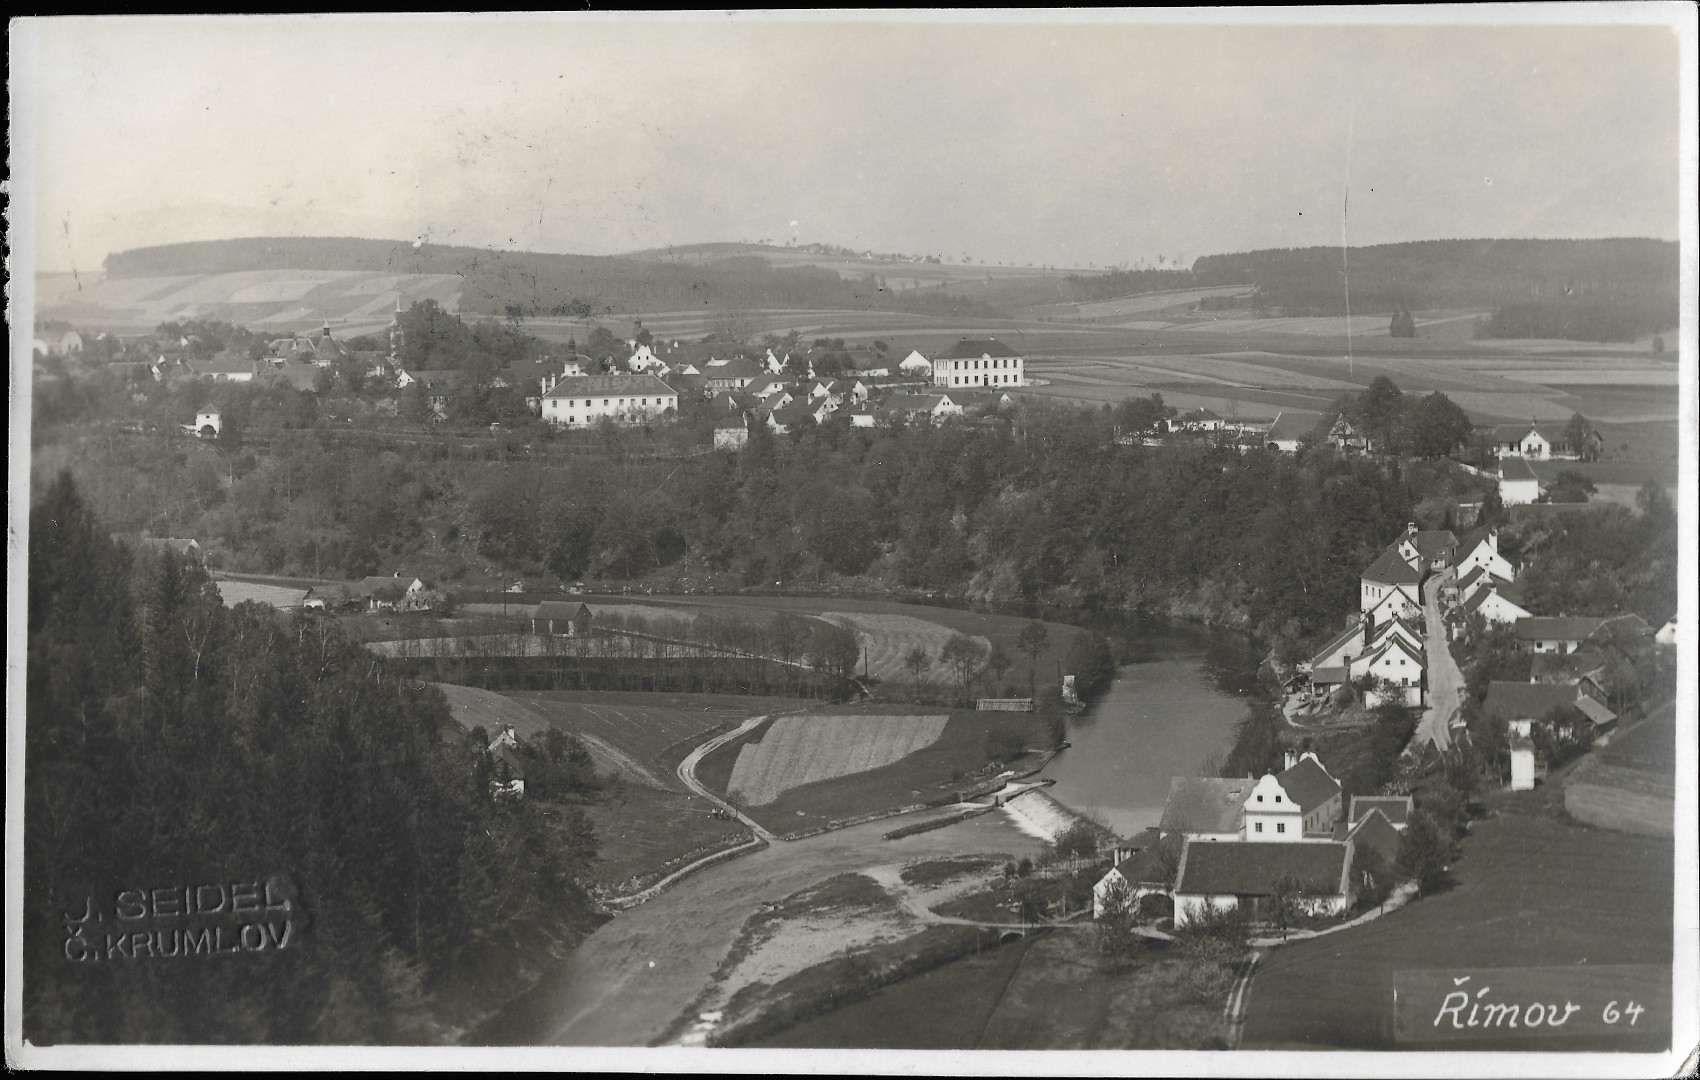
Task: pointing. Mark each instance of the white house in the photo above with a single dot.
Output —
(978, 363)
(862, 414)
(1389, 576)
(1197, 420)
(1270, 815)
(1667, 634)
(1226, 877)
(1141, 875)
(625, 399)
(1518, 484)
(207, 420)
(1522, 762)
(773, 364)
(1493, 606)
(1301, 802)
(1480, 550)
(935, 406)
(643, 359)
(915, 364)
(1397, 663)
(1555, 635)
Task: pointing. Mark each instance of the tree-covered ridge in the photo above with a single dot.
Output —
(171, 741)
(1603, 290)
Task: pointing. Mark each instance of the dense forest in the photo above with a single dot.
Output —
(172, 742)
(1590, 290)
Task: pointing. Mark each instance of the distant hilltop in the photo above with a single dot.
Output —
(1590, 290)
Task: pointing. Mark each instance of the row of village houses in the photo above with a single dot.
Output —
(1242, 837)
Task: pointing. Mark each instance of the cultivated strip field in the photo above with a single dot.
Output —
(890, 638)
(278, 596)
(798, 750)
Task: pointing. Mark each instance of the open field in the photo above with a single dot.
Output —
(962, 757)
(1049, 991)
(642, 830)
(285, 301)
(1629, 785)
(1532, 890)
(1004, 630)
(279, 596)
(798, 750)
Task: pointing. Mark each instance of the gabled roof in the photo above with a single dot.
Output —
(1376, 833)
(1430, 543)
(1565, 667)
(1469, 579)
(1393, 644)
(1563, 628)
(1473, 539)
(591, 385)
(1251, 868)
(1390, 569)
(1515, 468)
(1308, 784)
(1527, 701)
(1292, 426)
(1329, 676)
(1356, 630)
(1201, 414)
(1628, 631)
(1200, 804)
(1481, 597)
(1396, 808)
(975, 348)
(1595, 711)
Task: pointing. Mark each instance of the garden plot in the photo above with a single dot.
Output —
(890, 638)
(279, 596)
(798, 750)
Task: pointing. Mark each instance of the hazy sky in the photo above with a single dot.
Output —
(1038, 142)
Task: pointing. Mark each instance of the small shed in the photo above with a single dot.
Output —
(564, 618)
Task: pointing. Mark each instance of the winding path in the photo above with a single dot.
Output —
(688, 774)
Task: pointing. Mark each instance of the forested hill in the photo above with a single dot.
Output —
(534, 283)
(1606, 289)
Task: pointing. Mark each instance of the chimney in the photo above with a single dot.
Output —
(1290, 759)
(1410, 528)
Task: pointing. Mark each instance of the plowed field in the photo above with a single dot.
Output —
(798, 750)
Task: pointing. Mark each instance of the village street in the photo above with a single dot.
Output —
(1445, 681)
(628, 981)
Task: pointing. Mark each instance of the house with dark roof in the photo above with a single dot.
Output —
(1491, 603)
(730, 433)
(1225, 877)
(562, 618)
(1542, 442)
(375, 593)
(1399, 672)
(584, 400)
(1427, 550)
(1301, 802)
(936, 407)
(733, 375)
(186, 546)
(1478, 549)
(1397, 809)
(1518, 484)
(1197, 420)
(1524, 704)
(1389, 576)
(1343, 648)
(978, 362)
(1342, 435)
(1143, 874)
(1563, 634)
(1372, 832)
(1205, 807)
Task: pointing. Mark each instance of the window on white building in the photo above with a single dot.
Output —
(1259, 826)
(1280, 826)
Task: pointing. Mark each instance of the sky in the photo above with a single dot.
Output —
(1018, 141)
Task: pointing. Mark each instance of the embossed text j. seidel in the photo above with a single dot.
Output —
(187, 920)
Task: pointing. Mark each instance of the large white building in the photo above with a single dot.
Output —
(978, 363)
(575, 401)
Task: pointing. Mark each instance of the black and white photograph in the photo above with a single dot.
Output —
(871, 541)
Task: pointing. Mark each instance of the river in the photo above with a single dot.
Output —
(1170, 712)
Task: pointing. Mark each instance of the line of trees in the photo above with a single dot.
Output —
(172, 741)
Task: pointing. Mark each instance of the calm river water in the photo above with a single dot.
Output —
(1170, 711)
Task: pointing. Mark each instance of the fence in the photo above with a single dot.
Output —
(1010, 704)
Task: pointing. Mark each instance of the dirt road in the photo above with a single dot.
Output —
(1445, 681)
(628, 981)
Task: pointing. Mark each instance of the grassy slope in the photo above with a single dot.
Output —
(1046, 992)
(1533, 890)
(924, 775)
